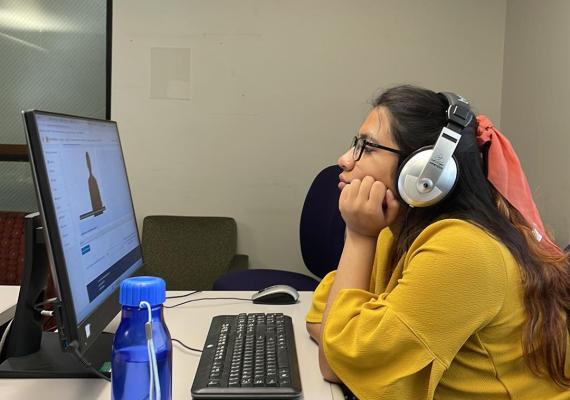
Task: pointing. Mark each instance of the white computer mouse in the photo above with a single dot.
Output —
(276, 294)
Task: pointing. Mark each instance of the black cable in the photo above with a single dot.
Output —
(73, 345)
(183, 295)
(207, 298)
(43, 303)
(187, 347)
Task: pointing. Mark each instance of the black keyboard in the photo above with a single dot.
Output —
(249, 356)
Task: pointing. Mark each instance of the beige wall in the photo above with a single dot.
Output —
(275, 91)
(536, 93)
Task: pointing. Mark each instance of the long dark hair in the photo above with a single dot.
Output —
(416, 116)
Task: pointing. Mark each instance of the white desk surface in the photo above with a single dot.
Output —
(188, 323)
(8, 300)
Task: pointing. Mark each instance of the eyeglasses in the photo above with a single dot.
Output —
(359, 144)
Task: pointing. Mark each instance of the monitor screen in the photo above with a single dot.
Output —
(87, 212)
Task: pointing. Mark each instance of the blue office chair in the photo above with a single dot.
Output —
(321, 233)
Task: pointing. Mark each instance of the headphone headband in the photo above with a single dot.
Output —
(459, 114)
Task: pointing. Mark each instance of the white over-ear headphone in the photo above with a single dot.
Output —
(429, 174)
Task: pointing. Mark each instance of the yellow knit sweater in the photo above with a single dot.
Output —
(446, 325)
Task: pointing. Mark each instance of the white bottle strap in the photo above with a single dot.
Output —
(153, 365)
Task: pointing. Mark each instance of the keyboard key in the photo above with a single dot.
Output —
(284, 381)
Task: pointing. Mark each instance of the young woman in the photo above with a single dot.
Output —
(464, 299)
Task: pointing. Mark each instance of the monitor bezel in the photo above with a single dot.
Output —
(89, 329)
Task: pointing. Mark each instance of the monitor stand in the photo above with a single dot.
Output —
(50, 361)
(29, 352)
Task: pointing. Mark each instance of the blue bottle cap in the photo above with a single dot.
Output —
(142, 288)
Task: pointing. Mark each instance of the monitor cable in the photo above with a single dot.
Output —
(186, 347)
(75, 346)
(5, 336)
(183, 295)
(179, 297)
(43, 303)
(36, 307)
(48, 314)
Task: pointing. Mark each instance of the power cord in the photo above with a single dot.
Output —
(207, 298)
(75, 346)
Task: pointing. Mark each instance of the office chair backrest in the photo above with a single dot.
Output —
(321, 232)
(322, 228)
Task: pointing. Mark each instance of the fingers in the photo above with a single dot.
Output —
(349, 193)
(368, 191)
(358, 189)
(377, 193)
(345, 197)
(367, 206)
(392, 207)
(365, 188)
(354, 188)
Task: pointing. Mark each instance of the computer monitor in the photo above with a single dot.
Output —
(91, 238)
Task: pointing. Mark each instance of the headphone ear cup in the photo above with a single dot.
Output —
(409, 172)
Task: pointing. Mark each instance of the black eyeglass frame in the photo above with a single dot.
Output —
(365, 143)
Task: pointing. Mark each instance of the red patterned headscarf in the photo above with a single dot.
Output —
(505, 173)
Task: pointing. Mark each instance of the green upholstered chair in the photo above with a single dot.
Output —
(189, 253)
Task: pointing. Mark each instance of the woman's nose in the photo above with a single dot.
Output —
(346, 161)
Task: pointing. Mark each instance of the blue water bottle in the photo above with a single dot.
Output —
(142, 349)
